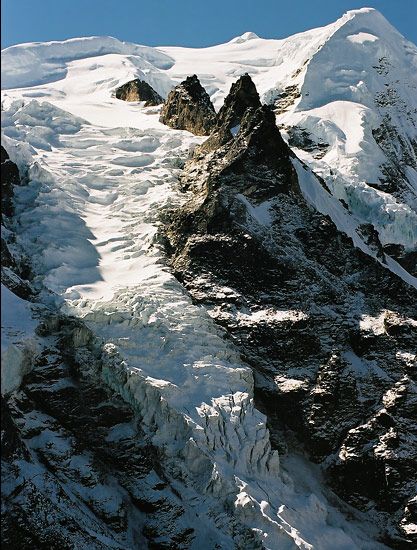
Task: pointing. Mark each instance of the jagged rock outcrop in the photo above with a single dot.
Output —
(188, 107)
(138, 90)
(254, 166)
(259, 147)
(242, 96)
(328, 331)
(255, 163)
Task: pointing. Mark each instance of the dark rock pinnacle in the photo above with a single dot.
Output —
(188, 107)
(242, 96)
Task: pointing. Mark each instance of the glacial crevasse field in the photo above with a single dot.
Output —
(176, 454)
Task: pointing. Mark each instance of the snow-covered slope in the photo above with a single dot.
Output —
(81, 75)
(349, 86)
(102, 172)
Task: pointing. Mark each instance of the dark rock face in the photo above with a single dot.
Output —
(330, 403)
(386, 471)
(259, 143)
(256, 161)
(138, 90)
(286, 98)
(329, 332)
(13, 272)
(302, 139)
(241, 168)
(399, 149)
(371, 238)
(407, 259)
(9, 178)
(188, 107)
(242, 96)
(77, 470)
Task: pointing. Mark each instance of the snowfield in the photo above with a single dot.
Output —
(100, 174)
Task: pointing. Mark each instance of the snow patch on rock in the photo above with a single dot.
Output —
(18, 340)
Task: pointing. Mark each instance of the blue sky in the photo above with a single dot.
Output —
(183, 22)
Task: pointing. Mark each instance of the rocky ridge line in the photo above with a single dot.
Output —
(247, 229)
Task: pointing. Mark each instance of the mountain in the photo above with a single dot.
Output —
(210, 341)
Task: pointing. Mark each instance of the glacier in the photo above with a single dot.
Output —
(99, 175)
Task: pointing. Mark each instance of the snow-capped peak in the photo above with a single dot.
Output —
(362, 10)
(244, 38)
(368, 16)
